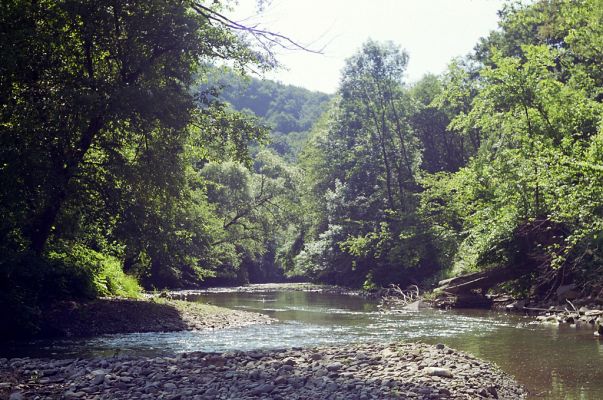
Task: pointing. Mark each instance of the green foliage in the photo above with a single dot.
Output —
(290, 111)
(125, 156)
(98, 274)
(362, 163)
(29, 284)
(253, 206)
(537, 109)
(101, 141)
(496, 162)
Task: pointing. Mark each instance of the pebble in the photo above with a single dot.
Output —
(98, 379)
(434, 371)
(265, 388)
(358, 371)
(336, 366)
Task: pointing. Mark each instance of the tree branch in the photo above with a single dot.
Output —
(264, 37)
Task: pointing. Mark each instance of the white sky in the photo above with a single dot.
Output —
(431, 31)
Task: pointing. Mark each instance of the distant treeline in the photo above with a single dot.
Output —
(289, 111)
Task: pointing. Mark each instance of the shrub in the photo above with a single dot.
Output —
(97, 274)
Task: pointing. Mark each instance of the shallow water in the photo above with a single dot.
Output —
(552, 362)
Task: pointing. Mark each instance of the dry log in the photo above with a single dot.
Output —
(481, 280)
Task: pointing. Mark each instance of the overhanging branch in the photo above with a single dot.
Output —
(264, 37)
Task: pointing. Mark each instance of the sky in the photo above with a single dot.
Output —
(431, 31)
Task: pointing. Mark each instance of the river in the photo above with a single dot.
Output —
(553, 362)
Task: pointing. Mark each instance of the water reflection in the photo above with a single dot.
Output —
(554, 362)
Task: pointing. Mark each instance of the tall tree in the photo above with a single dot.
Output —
(366, 161)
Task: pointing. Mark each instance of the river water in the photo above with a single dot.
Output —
(553, 362)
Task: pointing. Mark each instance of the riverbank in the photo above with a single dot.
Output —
(113, 315)
(355, 371)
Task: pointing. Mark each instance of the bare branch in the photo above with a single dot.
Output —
(264, 37)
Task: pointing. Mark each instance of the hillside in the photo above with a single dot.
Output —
(290, 111)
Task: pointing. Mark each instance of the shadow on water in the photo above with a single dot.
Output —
(552, 362)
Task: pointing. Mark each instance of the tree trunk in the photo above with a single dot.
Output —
(483, 280)
(41, 227)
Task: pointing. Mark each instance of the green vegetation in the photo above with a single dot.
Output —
(102, 144)
(497, 162)
(289, 111)
(127, 157)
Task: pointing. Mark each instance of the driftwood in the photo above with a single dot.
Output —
(394, 296)
(483, 280)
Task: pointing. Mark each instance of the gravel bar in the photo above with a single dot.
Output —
(351, 371)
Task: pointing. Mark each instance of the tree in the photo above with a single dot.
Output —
(364, 160)
(524, 199)
(443, 149)
(99, 76)
(253, 206)
(101, 137)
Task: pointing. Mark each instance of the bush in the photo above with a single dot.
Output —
(96, 274)
(28, 283)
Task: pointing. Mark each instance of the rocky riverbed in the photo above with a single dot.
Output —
(107, 316)
(361, 371)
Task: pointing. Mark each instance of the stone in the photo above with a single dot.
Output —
(286, 368)
(50, 372)
(436, 371)
(16, 396)
(217, 361)
(370, 371)
(440, 346)
(424, 390)
(99, 372)
(74, 395)
(336, 366)
(262, 389)
(212, 392)
(98, 379)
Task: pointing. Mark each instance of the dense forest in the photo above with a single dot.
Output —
(497, 162)
(129, 160)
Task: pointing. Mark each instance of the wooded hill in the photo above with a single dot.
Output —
(289, 111)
